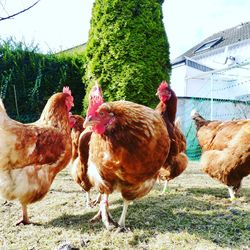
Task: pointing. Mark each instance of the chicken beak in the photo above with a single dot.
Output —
(88, 122)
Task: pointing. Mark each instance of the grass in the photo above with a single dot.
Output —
(194, 214)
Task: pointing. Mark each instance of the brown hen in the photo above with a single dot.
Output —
(225, 150)
(32, 154)
(177, 160)
(128, 146)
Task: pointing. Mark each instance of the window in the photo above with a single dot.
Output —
(208, 44)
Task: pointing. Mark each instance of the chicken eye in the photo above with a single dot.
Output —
(101, 114)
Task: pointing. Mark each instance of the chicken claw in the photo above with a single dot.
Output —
(96, 218)
(23, 222)
(94, 202)
(122, 230)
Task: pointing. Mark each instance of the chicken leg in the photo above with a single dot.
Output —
(104, 214)
(121, 222)
(233, 192)
(165, 187)
(25, 220)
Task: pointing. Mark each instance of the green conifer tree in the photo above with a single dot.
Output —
(127, 51)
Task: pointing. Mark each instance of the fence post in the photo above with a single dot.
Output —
(14, 87)
(211, 97)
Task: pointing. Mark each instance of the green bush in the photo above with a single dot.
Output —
(28, 78)
(127, 51)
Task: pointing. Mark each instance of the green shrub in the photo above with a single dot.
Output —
(28, 78)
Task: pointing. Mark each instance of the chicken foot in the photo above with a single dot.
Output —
(93, 203)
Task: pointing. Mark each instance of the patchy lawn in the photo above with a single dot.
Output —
(194, 214)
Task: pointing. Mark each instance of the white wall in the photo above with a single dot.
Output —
(178, 83)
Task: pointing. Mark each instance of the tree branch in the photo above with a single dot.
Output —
(10, 16)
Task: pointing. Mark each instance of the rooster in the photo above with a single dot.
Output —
(177, 160)
(225, 150)
(118, 158)
(32, 154)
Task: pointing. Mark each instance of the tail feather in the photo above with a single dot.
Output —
(198, 119)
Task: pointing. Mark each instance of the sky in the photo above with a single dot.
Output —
(61, 24)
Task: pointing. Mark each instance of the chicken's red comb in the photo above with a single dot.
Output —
(163, 85)
(95, 99)
(66, 90)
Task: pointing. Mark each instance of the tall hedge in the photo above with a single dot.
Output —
(28, 78)
(127, 50)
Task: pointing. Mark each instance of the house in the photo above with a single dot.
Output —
(213, 77)
(215, 64)
(73, 50)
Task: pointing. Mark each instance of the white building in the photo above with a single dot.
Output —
(217, 67)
